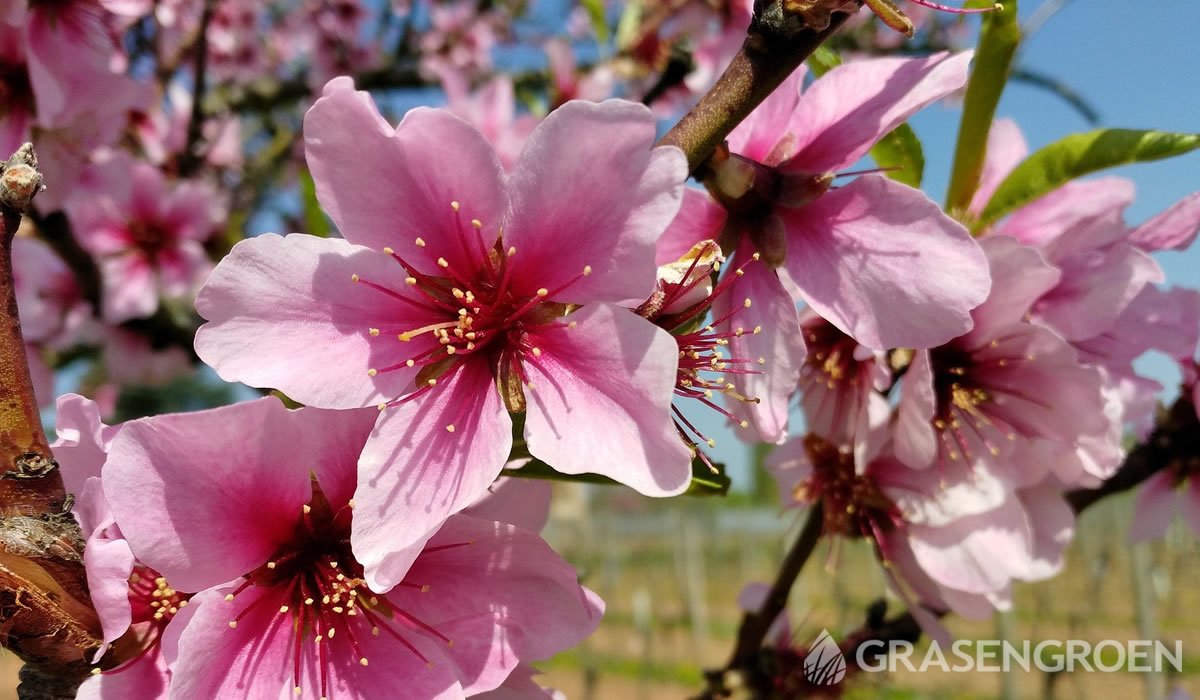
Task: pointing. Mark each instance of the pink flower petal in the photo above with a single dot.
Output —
(763, 136)
(854, 105)
(589, 191)
(1155, 507)
(916, 442)
(531, 607)
(388, 187)
(1006, 148)
(285, 313)
(881, 262)
(129, 288)
(976, 554)
(1095, 288)
(1053, 524)
(1020, 276)
(255, 659)
(169, 483)
(601, 401)
(521, 502)
(699, 219)
(1173, 229)
(108, 563)
(777, 341)
(1068, 207)
(146, 678)
(415, 471)
(83, 440)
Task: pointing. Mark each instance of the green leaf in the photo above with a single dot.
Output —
(315, 220)
(595, 10)
(1078, 155)
(823, 60)
(901, 150)
(704, 481)
(998, 40)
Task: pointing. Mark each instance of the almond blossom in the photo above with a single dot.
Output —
(877, 259)
(146, 234)
(263, 532)
(456, 299)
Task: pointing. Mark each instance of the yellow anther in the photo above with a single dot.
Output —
(455, 206)
(442, 263)
(512, 250)
(410, 281)
(477, 223)
(233, 624)
(420, 242)
(543, 292)
(389, 251)
(353, 278)
(372, 372)
(587, 270)
(450, 428)
(373, 331)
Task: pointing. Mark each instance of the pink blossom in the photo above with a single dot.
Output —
(954, 539)
(146, 235)
(259, 521)
(162, 133)
(449, 324)
(974, 397)
(875, 258)
(840, 389)
(492, 109)
(51, 304)
(461, 38)
(594, 86)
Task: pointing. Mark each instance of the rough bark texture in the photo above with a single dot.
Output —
(46, 614)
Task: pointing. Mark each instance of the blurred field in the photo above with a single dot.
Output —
(670, 573)
(670, 576)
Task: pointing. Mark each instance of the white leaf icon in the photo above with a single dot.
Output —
(825, 664)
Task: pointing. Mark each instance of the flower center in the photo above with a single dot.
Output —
(969, 415)
(473, 309)
(853, 505)
(703, 365)
(315, 580)
(149, 237)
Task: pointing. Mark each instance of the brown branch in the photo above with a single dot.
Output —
(46, 614)
(776, 44)
(191, 159)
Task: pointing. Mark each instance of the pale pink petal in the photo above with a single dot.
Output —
(521, 502)
(285, 313)
(1095, 289)
(763, 136)
(255, 659)
(1173, 229)
(145, 678)
(531, 607)
(1020, 276)
(128, 287)
(1006, 148)
(1155, 507)
(916, 442)
(388, 187)
(426, 459)
(1053, 524)
(601, 400)
(83, 440)
(109, 563)
(771, 333)
(699, 219)
(880, 261)
(976, 554)
(588, 191)
(852, 106)
(791, 467)
(1067, 207)
(169, 483)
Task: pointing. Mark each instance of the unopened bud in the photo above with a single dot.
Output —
(20, 179)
